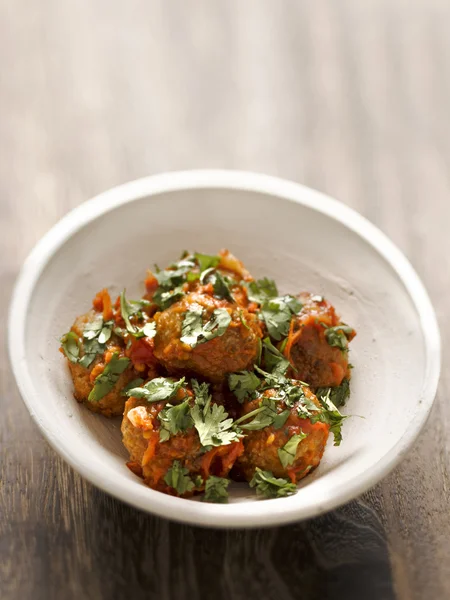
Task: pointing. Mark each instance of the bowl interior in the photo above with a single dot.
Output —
(302, 249)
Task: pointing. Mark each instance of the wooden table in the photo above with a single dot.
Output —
(349, 96)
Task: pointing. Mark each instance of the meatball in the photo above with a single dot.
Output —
(235, 349)
(266, 448)
(318, 353)
(152, 459)
(112, 403)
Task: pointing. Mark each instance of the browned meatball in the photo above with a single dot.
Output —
(152, 459)
(266, 448)
(112, 403)
(318, 353)
(234, 350)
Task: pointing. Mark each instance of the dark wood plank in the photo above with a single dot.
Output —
(350, 97)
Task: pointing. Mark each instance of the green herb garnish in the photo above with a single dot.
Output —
(149, 330)
(177, 477)
(93, 329)
(339, 336)
(264, 416)
(243, 384)
(287, 453)
(216, 490)
(221, 287)
(133, 384)
(262, 290)
(164, 299)
(95, 335)
(221, 284)
(338, 394)
(133, 308)
(157, 390)
(210, 420)
(176, 276)
(71, 346)
(174, 419)
(331, 416)
(277, 314)
(206, 261)
(194, 331)
(274, 361)
(269, 486)
(106, 381)
(92, 348)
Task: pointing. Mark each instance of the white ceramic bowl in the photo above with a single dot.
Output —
(301, 238)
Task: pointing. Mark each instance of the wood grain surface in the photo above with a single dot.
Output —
(349, 96)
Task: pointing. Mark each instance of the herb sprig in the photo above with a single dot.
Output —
(157, 390)
(71, 346)
(339, 336)
(277, 314)
(216, 490)
(106, 381)
(269, 486)
(194, 331)
(177, 477)
(288, 452)
(134, 309)
(211, 421)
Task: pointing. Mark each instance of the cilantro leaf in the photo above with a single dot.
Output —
(206, 261)
(277, 314)
(95, 335)
(177, 477)
(220, 283)
(210, 420)
(338, 394)
(133, 384)
(164, 299)
(217, 325)
(174, 419)
(106, 332)
(291, 392)
(294, 305)
(216, 490)
(201, 392)
(70, 345)
(93, 329)
(274, 361)
(243, 384)
(91, 349)
(339, 336)
(331, 416)
(191, 276)
(221, 287)
(157, 390)
(213, 427)
(192, 325)
(262, 419)
(106, 381)
(133, 308)
(243, 321)
(269, 486)
(262, 290)
(149, 330)
(176, 276)
(287, 453)
(264, 416)
(280, 419)
(194, 332)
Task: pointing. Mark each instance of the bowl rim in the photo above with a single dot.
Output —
(263, 513)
